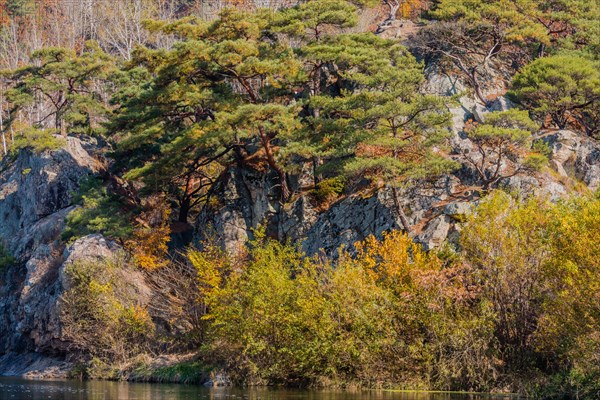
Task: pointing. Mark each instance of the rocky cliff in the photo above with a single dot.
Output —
(35, 197)
(36, 192)
(246, 198)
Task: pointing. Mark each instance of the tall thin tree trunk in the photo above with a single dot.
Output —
(63, 129)
(541, 50)
(316, 163)
(185, 203)
(316, 112)
(477, 87)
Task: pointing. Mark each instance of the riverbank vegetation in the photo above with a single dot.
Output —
(516, 308)
(308, 95)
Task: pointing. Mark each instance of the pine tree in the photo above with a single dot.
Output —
(157, 127)
(565, 87)
(217, 94)
(314, 20)
(374, 122)
(474, 37)
(63, 88)
(503, 147)
(236, 84)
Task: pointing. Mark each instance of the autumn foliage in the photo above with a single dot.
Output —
(149, 244)
(389, 314)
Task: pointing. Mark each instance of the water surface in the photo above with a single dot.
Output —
(19, 389)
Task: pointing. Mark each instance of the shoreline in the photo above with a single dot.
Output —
(170, 370)
(34, 366)
(267, 387)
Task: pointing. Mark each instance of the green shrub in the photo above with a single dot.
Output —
(79, 371)
(541, 147)
(99, 212)
(537, 267)
(329, 189)
(101, 316)
(564, 87)
(516, 307)
(188, 372)
(6, 260)
(38, 140)
(282, 319)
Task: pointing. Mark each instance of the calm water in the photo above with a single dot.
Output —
(18, 389)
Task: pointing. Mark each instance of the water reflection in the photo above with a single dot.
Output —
(18, 389)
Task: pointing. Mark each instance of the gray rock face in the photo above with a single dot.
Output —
(351, 220)
(432, 211)
(33, 366)
(246, 199)
(575, 156)
(37, 312)
(33, 188)
(35, 197)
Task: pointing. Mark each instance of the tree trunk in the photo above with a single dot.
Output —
(403, 219)
(394, 5)
(541, 50)
(266, 142)
(2, 123)
(316, 161)
(477, 87)
(560, 119)
(285, 189)
(59, 124)
(184, 210)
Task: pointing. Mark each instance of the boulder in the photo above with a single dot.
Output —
(243, 200)
(97, 249)
(576, 156)
(436, 232)
(33, 187)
